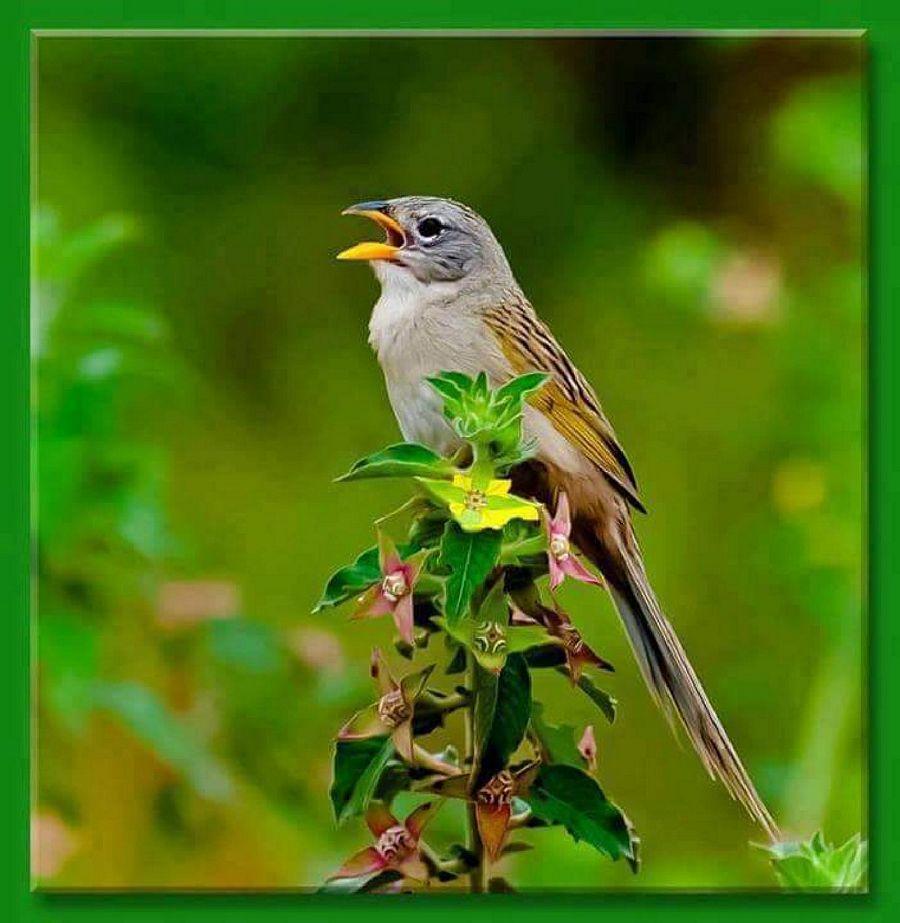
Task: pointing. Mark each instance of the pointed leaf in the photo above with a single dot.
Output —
(502, 713)
(519, 387)
(557, 740)
(406, 459)
(351, 580)
(447, 387)
(356, 578)
(357, 769)
(568, 796)
(603, 700)
(470, 556)
(460, 379)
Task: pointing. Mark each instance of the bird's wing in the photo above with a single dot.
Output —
(567, 400)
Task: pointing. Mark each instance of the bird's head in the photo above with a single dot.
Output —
(430, 239)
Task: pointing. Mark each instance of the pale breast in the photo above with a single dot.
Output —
(415, 338)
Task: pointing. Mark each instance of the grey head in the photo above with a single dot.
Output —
(435, 240)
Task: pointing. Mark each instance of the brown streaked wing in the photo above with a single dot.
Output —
(567, 400)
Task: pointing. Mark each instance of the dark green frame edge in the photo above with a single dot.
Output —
(883, 25)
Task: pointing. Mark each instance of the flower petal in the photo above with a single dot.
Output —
(576, 667)
(403, 618)
(577, 571)
(379, 818)
(413, 684)
(403, 741)
(562, 520)
(587, 747)
(372, 604)
(557, 574)
(493, 822)
(413, 867)
(362, 863)
(442, 491)
(456, 786)
(418, 819)
(497, 516)
(462, 482)
(388, 556)
(498, 488)
(413, 567)
(380, 672)
(364, 723)
(587, 656)
(523, 508)
(524, 777)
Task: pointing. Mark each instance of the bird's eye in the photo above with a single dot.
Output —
(429, 227)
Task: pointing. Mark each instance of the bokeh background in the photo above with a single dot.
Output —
(687, 213)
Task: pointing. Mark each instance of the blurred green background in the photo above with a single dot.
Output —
(687, 215)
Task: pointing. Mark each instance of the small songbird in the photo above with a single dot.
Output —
(449, 301)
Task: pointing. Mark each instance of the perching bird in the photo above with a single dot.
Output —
(449, 301)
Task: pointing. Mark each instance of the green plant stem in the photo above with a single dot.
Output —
(482, 470)
(477, 874)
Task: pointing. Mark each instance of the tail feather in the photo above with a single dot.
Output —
(676, 687)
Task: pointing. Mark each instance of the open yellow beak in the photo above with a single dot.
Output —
(372, 250)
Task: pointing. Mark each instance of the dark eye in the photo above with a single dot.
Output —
(429, 227)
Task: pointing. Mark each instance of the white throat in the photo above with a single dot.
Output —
(403, 306)
(418, 329)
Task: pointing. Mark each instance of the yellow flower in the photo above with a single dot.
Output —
(477, 507)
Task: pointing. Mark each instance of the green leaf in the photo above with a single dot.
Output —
(449, 388)
(519, 387)
(603, 700)
(406, 459)
(351, 580)
(816, 865)
(568, 796)
(460, 379)
(470, 556)
(557, 740)
(426, 529)
(485, 706)
(357, 577)
(502, 712)
(356, 772)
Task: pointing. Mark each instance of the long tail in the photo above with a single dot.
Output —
(669, 674)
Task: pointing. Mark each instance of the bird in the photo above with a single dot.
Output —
(449, 301)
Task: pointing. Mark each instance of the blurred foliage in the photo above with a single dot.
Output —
(815, 865)
(687, 214)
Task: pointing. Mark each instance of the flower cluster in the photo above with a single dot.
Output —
(468, 564)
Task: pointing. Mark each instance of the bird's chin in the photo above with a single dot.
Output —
(391, 272)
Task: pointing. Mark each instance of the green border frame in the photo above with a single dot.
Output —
(883, 25)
